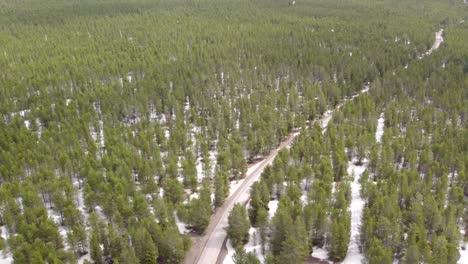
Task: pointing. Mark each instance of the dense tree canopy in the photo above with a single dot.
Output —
(120, 119)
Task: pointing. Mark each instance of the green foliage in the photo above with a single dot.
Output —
(238, 226)
(241, 257)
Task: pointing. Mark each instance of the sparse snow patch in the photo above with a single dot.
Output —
(230, 253)
(234, 185)
(327, 116)
(254, 244)
(320, 253)
(463, 253)
(5, 258)
(180, 225)
(272, 207)
(463, 248)
(438, 40)
(380, 128)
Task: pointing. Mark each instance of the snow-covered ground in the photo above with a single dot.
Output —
(272, 207)
(320, 253)
(234, 185)
(327, 116)
(4, 234)
(215, 239)
(357, 204)
(380, 128)
(463, 253)
(84, 258)
(98, 134)
(253, 245)
(230, 253)
(79, 199)
(5, 258)
(438, 40)
(180, 225)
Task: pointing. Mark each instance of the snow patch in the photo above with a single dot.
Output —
(320, 253)
(254, 244)
(5, 258)
(234, 185)
(380, 128)
(230, 253)
(327, 116)
(357, 204)
(272, 207)
(181, 225)
(438, 40)
(463, 253)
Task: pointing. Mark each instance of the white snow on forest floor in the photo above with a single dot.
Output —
(4, 234)
(327, 116)
(234, 185)
(463, 254)
(438, 40)
(272, 207)
(295, 134)
(5, 258)
(320, 253)
(357, 204)
(81, 207)
(180, 225)
(254, 244)
(230, 253)
(213, 154)
(80, 200)
(58, 221)
(380, 128)
(84, 258)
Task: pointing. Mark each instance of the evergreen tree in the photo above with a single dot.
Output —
(238, 228)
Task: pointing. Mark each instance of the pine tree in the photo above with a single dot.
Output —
(95, 248)
(219, 184)
(281, 223)
(340, 235)
(238, 228)
(241, 257)
(144, 246)
(128, 255)
(377, 253)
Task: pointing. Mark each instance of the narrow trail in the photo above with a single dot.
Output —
(354, 255)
